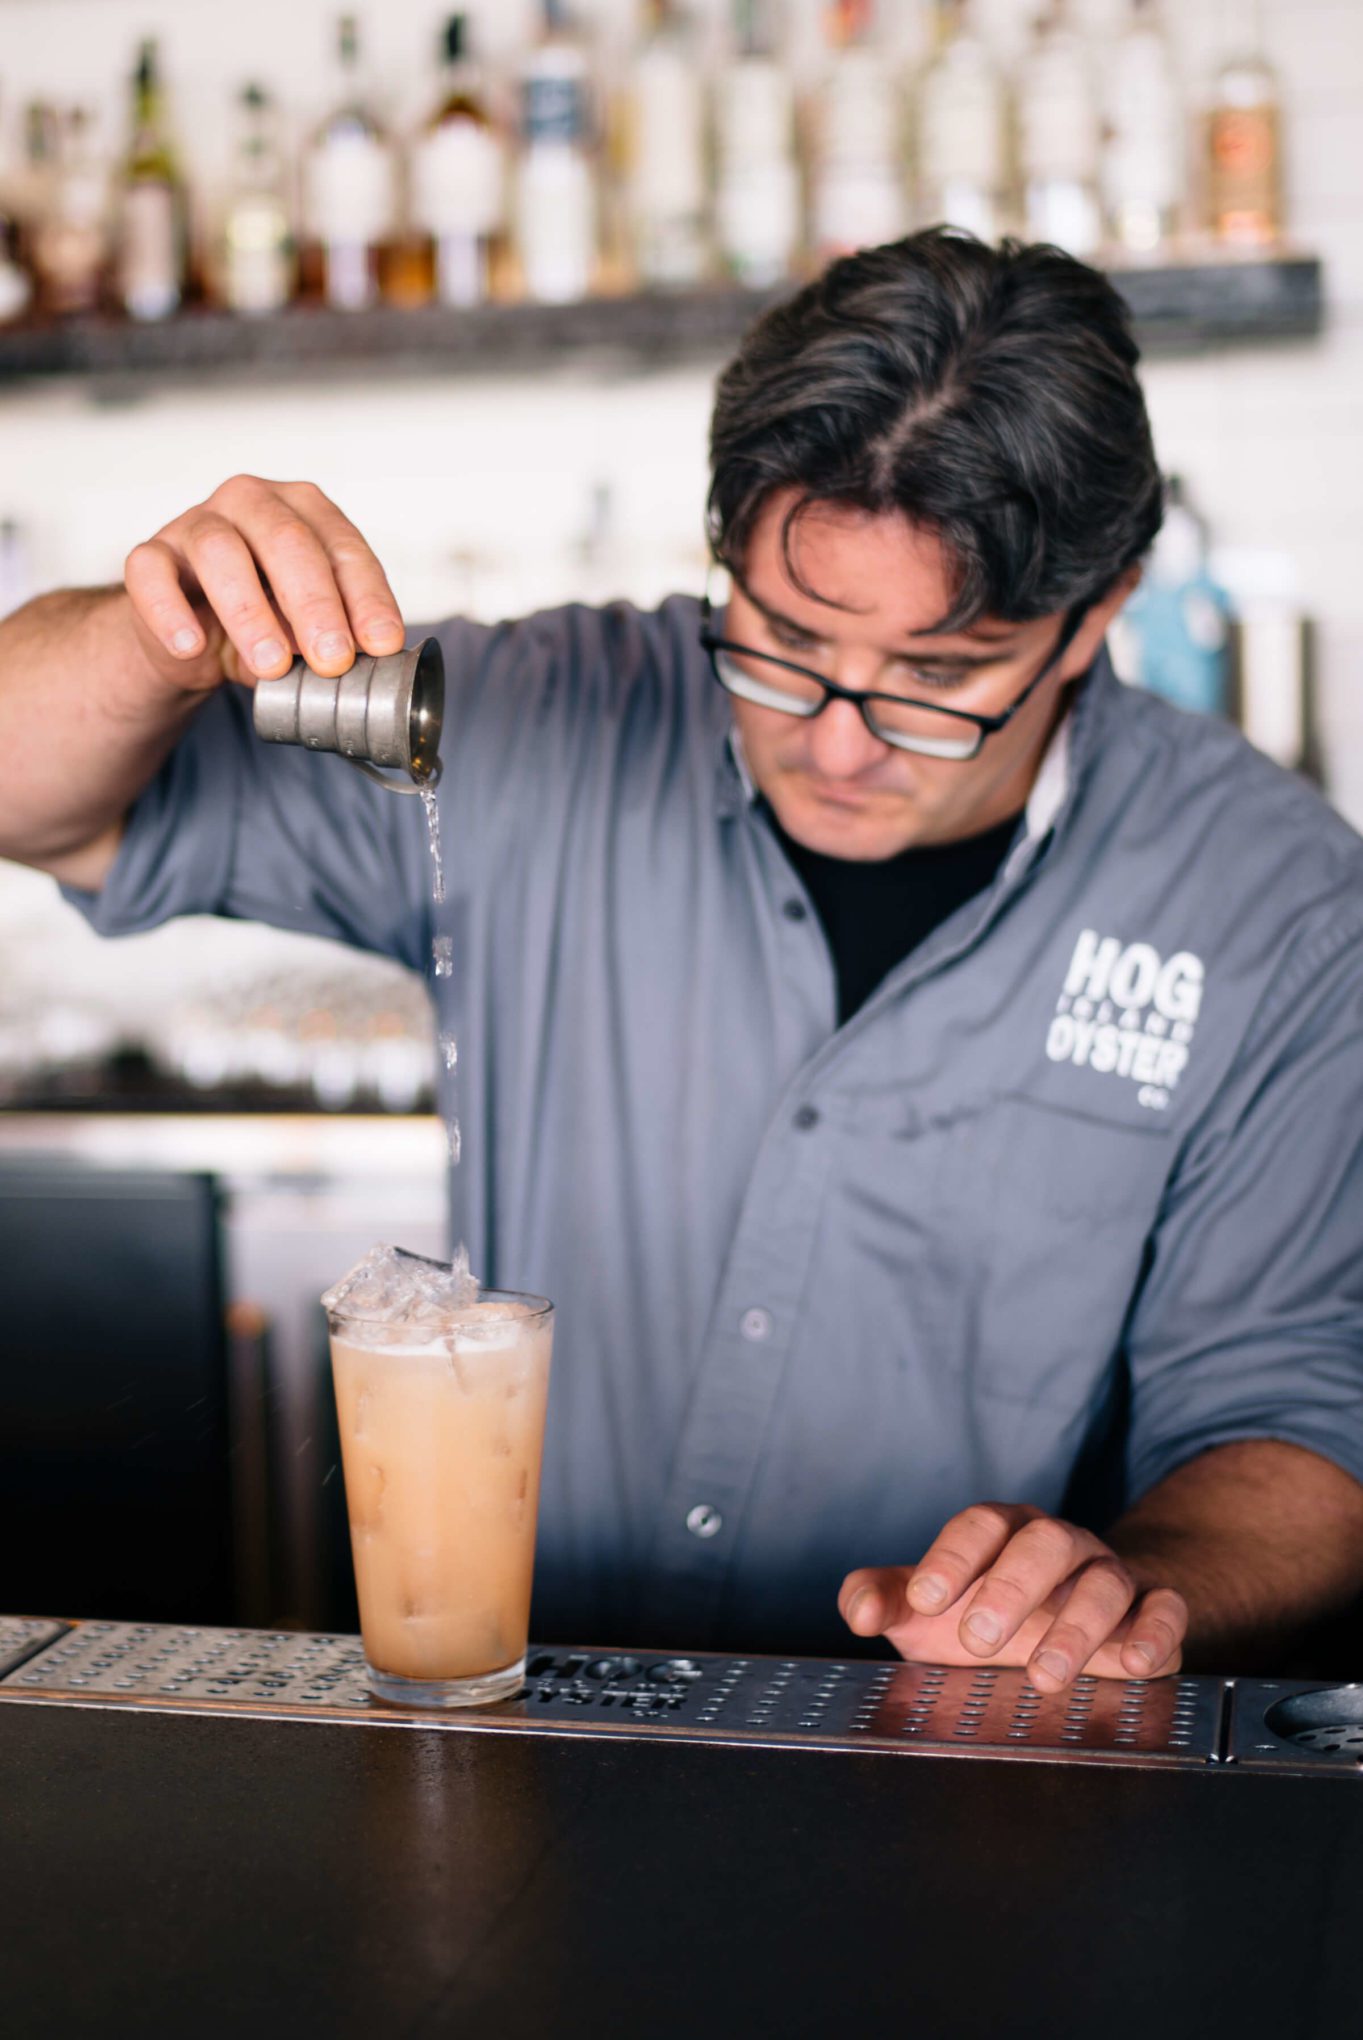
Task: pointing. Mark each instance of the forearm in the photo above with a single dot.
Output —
(1261, 1538)
(85, 722)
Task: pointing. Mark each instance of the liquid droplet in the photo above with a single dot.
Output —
(449, 1051)
(442, 956)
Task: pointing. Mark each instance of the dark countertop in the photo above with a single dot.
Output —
(205, 1876)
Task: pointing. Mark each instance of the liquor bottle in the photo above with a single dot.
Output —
(349, 189)
(256, 258)
(858, 197)
(459, 178)
(962, 129)
(152, 236)
(71, 239)
(16, 282)
(1143, 165)
(665, 151)
(757, 197)
(556, 210)
(1177, 624)
(1058, 137)
(1244, 147)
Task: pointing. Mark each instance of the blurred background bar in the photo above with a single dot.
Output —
(474, 271)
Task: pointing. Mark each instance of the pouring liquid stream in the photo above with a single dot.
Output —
(442, 950)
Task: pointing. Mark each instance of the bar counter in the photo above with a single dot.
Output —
(209, 1866)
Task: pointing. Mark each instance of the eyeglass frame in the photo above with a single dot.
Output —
(986, 726)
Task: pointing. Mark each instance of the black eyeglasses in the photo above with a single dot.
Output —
(922, 726)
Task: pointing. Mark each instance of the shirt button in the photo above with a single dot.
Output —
(756, 1324)
(807, 1116)
(795, 910)
(703, 1521)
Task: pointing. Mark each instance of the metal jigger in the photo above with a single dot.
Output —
(382, 712)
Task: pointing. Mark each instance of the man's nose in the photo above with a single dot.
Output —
(840, 745)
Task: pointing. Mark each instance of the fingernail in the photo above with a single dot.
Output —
(1144, 1653)
(1052, 1664)
(267, 653)
(186, 640)
(861, 1599)
(985, 1627)
(335, 645)
(385, 626)
(928, 1587)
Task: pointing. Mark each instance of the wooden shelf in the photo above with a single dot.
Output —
(1178, 309)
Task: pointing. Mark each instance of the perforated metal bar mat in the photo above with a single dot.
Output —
(819, 1704)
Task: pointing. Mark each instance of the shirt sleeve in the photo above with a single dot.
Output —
(1249, 1323)
(276, 833)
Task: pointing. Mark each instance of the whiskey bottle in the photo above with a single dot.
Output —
(757, 197)
(962, 125)
(458, 177)
(256, 257)
(349, 189)
(152, 222)
(556, 200)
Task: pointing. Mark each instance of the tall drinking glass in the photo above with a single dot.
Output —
(442, 1432)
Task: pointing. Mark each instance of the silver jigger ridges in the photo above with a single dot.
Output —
(385, 711)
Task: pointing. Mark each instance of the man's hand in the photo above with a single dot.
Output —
(243, 582)
(1004, 1584)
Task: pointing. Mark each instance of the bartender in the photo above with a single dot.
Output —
(924, 1073)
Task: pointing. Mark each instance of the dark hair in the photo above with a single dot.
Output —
(989, 394)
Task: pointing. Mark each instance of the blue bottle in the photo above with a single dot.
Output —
(1178, 621)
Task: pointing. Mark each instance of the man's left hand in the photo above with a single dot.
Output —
(1006, 1585)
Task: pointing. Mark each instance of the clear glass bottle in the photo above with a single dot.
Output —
(556, 197)
(1244, 142)
(71, 239)
(458, 177)
(152, 223)
(665, 151)
(858, 195)
(349, 189)
(757, 195)
(1058, 137)
(1144, 162)
(256, 263)
(962, 129)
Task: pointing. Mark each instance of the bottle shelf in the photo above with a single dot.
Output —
(1183, 308)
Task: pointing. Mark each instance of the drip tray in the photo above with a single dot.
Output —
(809, 1703)
(794, 1703)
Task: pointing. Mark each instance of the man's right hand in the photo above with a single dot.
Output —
(242, 583)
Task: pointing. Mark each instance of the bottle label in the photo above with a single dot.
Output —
(457, 181)
(1244, 173)
(857, 208)
(556, 224)
(349, 191)
(961, 137)
(758, 218)
(554, 108)
(259, 262)
(667, 140)
(1058, 121)
(1143, 154)
(149, 256)
(859, 116)
(755, 114)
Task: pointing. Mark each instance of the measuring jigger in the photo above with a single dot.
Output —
(382, 712)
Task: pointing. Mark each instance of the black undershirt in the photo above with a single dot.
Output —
(874, 915)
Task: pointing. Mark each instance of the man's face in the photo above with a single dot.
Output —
(881, 584)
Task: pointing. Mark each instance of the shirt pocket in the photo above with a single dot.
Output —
(1046, 1217)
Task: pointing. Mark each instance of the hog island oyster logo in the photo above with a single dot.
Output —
(1126, 1012)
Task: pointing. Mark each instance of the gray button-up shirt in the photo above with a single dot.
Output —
(1076, 1194)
